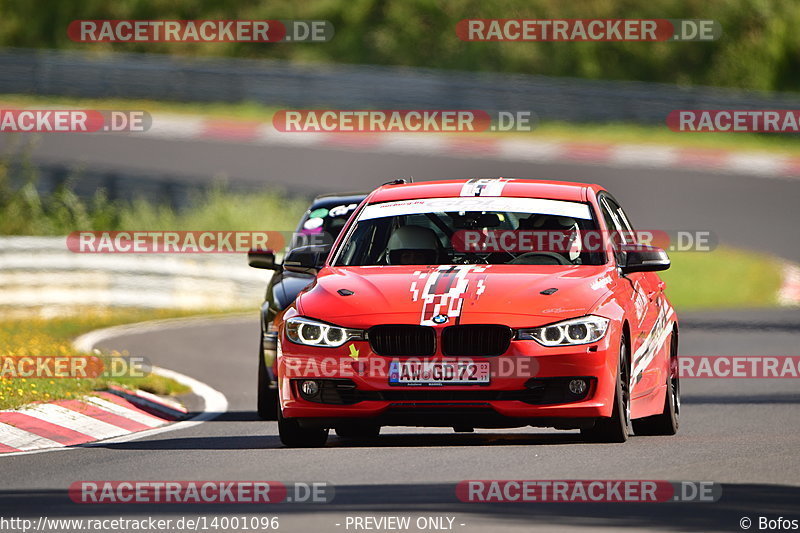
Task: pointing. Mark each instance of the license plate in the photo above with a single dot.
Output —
(439, 372)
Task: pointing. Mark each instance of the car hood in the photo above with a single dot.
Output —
(465, 294)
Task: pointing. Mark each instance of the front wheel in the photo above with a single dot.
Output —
(267, 395)
(295, 436)
(618, 426)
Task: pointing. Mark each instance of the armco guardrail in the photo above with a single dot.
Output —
(162, 77)
(42, 272)
(120, 184)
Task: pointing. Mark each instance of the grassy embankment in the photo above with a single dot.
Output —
(52, 337)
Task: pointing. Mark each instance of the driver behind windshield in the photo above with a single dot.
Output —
(437, 237)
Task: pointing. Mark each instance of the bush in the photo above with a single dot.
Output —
(23, 211)
(758, 48)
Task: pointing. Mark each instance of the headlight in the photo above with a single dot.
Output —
(315, 333)
(570, 332)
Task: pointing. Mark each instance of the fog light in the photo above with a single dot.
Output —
(577, 387)
(309, 388)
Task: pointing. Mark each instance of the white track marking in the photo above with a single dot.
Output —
(789, 293)
(642, 155)
(759, 164)
(530, 150)
(24, 440)
(117, 409)
(61, 416)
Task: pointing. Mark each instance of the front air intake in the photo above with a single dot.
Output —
(402, 340)
(476, 340)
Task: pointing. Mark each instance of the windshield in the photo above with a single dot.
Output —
(322, 223)
(498, 230)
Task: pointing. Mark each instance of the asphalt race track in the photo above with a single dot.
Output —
(742, 434)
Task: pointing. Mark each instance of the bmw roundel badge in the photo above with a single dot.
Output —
(440, 319)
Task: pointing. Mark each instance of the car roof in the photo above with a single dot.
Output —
(511, 187)
(332, 200)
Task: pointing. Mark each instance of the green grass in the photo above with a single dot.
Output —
(219, 210)
(724, 278)
(621, 133)
(23, 211)
(33, 336)
(240, 111)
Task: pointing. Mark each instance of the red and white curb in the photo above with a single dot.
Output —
(151, 403)
(118, 415)
(102, 415)
(764, 164)
(789, 294)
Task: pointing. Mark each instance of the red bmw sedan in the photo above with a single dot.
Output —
(481, 303)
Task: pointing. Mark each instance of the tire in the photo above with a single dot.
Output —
(267, 401)
(294, 436)
(617, 427)
(358, 431)
(667, 422)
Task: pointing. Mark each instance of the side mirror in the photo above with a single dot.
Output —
(262, 259)
(306, 259)
(641, 258)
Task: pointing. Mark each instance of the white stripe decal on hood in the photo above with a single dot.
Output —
(444, 290)
(484, 187)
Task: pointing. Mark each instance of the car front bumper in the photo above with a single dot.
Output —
(514, 397)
